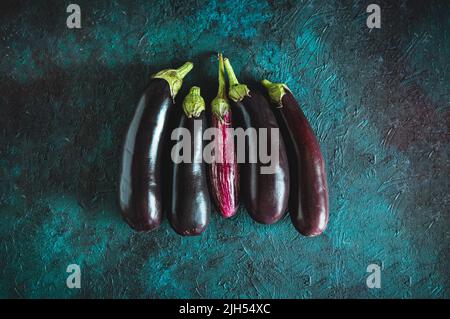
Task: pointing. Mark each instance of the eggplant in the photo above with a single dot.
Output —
(264, 195)
(141, 185)
(224, 169)
(191, 204)
(308, 204)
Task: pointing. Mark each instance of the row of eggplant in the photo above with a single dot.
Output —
(153, 180)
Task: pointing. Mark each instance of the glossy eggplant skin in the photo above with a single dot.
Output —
(308, 203)
(191, 204)
(264, 195)
(141, 187)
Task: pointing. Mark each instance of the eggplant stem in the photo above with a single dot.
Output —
(276, 91)
(231, 75)
(174, 77)
(237, 91)
(183, 70)
(221, 93)
(220, 105)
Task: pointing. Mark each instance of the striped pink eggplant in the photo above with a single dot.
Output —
(224, 169)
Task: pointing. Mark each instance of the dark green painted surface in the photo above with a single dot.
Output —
(379, 102)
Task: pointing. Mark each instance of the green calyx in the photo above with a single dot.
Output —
(193, 103)
(220, 105)
(237, 91)
(174, 77)
(276, 91)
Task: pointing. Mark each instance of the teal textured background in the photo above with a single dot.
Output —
(378, 101)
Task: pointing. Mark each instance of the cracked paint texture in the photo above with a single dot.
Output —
(378, 101)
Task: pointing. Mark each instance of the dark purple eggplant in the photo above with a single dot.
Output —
(308, 204)
(141, 175)
(224, 169)
(191, 205)
(264, 195)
